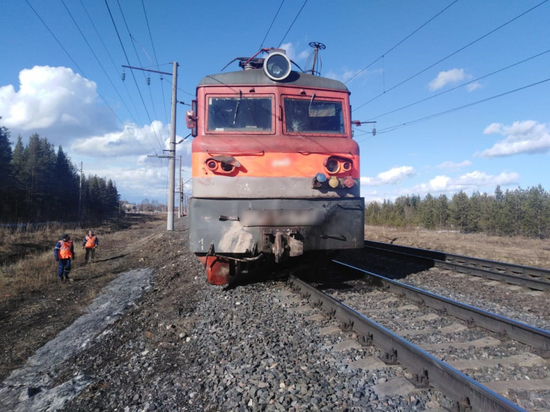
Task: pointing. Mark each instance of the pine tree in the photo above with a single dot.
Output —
(428, 208)
(6, 172)
(459, 209)
(442, 210)
(67, 187)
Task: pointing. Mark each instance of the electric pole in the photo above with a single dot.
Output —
(180, 203)
(172, 156)
(172, 159)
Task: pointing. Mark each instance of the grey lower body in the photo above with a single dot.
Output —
(281, 227)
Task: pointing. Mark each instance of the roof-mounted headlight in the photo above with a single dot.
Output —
(277, 66)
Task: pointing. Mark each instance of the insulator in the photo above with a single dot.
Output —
(374, 131)
(123, 76)
(148, 81)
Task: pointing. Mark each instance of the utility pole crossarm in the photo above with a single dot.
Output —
(146, 70)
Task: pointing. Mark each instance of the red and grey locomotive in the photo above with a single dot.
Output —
(274, 167)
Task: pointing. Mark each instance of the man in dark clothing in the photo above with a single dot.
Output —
(90, 244)
(63, 253)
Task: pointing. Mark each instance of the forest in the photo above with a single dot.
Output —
(40, 184)
(518, 212)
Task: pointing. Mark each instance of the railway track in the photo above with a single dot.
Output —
(531, 277)
(436, 338)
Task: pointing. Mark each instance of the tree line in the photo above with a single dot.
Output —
(39, 184)
(518, 212)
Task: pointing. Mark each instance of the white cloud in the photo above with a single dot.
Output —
(453, 165)
(290, 50)
(64, 107)
(54, 102)
(450, 76)
(293, 54)
(474, 86)
(304, 55)
(131, 141)
(393, 176)
(493, 128)
(469, 182)
(528, 136)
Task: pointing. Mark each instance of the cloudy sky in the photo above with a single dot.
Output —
(459, 90)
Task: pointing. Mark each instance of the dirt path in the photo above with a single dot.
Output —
(31, 319)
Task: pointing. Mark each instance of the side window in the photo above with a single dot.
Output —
(313, 116)
(244, 114)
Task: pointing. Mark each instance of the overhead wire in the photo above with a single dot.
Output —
(411, 122)
(95, 55)
(128, 62)
(132, 41)
(79, 68)
(292, 24)
(400, 42)
(134, 115)
(452, 54)
(461, 85)
(180, 89)
(271, 25)
(156, 60)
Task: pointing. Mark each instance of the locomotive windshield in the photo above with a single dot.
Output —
(242, 114)
(314, 116)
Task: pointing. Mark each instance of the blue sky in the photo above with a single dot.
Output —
(504, 140)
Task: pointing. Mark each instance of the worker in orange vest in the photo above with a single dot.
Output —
(90, 244)
(63, 253)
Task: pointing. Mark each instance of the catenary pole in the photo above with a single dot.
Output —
(180, 203)
(172, 160)
(172, 150)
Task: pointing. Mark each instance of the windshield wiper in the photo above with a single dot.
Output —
(237, 108)
(311, 101)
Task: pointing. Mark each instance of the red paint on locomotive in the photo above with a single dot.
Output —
(275, 170)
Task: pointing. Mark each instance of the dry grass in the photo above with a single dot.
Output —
(27, 264)
(518, 250)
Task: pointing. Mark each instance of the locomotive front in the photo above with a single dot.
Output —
(275, 170)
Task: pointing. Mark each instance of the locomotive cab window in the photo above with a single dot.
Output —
(314, 116)
(240, 114)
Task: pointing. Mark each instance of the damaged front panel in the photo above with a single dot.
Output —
(282, 227)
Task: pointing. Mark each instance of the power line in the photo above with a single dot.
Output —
(76, 64)
(409, 123)
(156, 60)
(132, 40)
(112, 61)
(292, 24)
(97, 59)
(271, 25)
(452, 54)
(73, 60)
(180, 89)
(128, 61)
(462, 85)
(400, 42)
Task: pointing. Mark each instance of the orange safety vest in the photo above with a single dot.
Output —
(65, 249)
(90, 242)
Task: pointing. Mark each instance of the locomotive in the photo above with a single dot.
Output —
(275, 170)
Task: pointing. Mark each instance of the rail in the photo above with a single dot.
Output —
(428, 370)
(531, 277)
(529, 335)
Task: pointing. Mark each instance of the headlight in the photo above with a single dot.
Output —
(277, 66)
